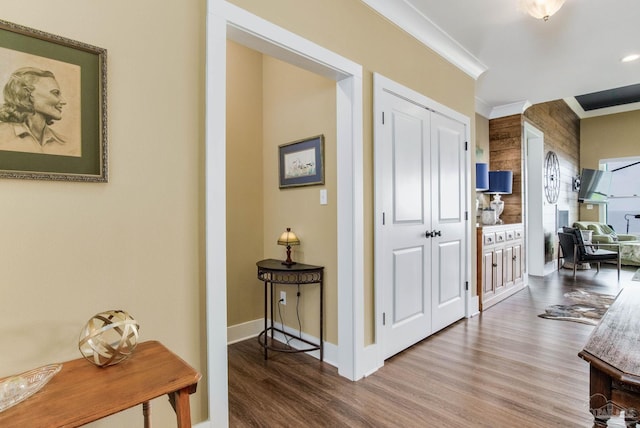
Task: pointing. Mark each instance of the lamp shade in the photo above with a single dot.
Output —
(500, 182)
(482, 176)
(288, 238)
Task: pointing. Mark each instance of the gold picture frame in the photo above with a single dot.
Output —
(53, 118)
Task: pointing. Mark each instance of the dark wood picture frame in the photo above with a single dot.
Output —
(301, 163)
(79, 71)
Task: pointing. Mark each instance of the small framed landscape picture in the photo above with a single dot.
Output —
(302, 162)
(53, 114)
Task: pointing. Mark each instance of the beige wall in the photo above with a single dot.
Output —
(270, 103)
(245, 196)
(482, 139)
(71, 250)
(297, 105)
(136, 243)
(353, 30)
(607, 137)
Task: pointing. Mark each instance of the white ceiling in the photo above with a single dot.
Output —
(577, 51)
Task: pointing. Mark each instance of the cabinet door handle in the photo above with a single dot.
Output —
(495, 264)
(515, 258)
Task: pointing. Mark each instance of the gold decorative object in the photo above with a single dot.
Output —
(18, 388)
(109, 338)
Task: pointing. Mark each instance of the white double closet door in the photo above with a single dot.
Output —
(420, 166)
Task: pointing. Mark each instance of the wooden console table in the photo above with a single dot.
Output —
(614, 358)
(83, 393)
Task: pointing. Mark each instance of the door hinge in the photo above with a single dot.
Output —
(383, 219)
(466, 146)
(466, 215)
(466, 285)
(384, 319)
(383, 118)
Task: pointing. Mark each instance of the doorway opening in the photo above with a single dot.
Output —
(226, 21)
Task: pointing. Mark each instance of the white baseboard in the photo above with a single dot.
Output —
(251, 329)
(244, 331)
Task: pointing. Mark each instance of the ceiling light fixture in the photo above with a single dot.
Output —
(541, 9)
(630, 58)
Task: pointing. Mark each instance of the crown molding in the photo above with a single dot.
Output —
(424, 30)
(509, 109)
(482, 108)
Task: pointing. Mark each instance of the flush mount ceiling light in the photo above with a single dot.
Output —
(541, 9)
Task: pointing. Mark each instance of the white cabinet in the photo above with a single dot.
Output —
(500, 262)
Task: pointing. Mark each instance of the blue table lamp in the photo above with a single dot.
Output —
(500, 183)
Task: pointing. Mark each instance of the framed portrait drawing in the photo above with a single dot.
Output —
(53, 115)
(301, 163)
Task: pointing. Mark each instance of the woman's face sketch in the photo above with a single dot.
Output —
(47, 98)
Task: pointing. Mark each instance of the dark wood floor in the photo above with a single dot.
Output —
(504, 368)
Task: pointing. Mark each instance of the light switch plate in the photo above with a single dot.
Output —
(323, 196)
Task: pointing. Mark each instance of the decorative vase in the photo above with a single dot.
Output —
(488, 216)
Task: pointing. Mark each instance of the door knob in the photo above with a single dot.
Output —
(436, 233)
(428, 234)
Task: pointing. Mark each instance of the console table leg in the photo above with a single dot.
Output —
(600, 390)
(265, 321)
(180, 399)
(146, 412)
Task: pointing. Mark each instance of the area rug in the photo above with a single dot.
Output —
(587, 307)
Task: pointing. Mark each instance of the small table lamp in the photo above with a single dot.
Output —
(288, 238)
(500, 183)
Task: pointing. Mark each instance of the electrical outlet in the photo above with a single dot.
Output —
(283, 297)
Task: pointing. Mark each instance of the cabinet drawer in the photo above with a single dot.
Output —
(510, 234)
(518, 233)
(500, 237)
(489, 238)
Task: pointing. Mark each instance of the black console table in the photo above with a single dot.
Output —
(273, 271)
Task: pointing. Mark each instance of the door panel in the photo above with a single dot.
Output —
(408, 170)
(422, 177)
(447, 185)
(406, 250)
(498, 270)
(408, 284)
(508, 266)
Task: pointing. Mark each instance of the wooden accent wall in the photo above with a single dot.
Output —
(505, 153)
(561, 128)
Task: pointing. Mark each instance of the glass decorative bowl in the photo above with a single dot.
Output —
(18, 388)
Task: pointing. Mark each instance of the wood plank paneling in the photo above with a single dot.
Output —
(561, 129)
(505, 153)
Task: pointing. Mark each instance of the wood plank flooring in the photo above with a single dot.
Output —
(504, 368)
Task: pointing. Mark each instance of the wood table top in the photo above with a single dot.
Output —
(82, 392)
(614, 345)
